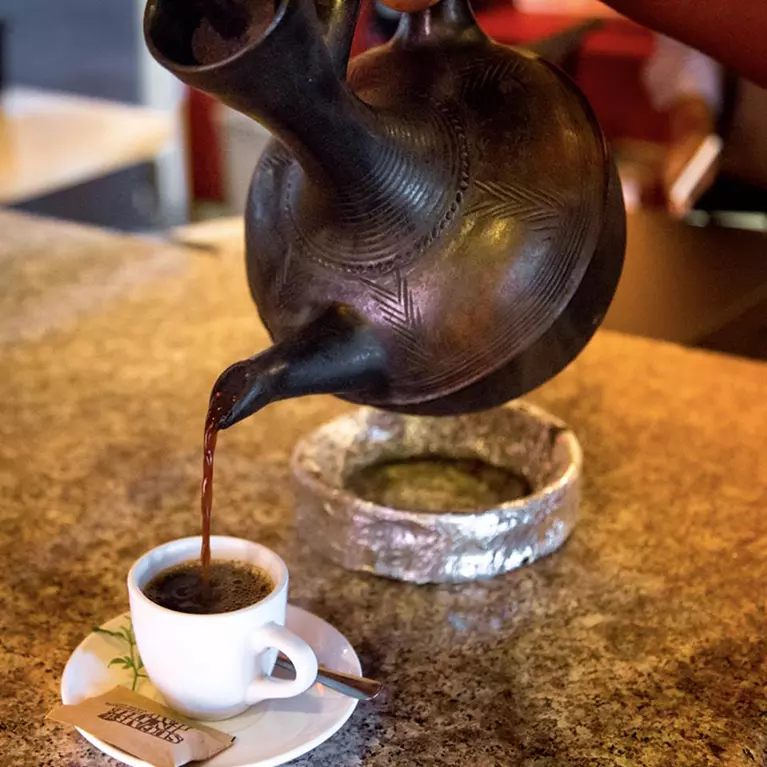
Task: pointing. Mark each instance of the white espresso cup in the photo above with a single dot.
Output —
(215, 666)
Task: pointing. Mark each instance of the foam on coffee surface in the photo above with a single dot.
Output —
(230, 586)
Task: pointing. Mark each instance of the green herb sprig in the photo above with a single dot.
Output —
(132, 661)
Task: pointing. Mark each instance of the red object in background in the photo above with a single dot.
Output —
(609, 67)
(363, 38)
(204, 143)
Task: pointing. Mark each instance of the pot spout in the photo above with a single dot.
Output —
(336, 353)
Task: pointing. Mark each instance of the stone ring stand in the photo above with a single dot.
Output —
(446, 546)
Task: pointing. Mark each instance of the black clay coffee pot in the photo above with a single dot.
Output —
(436, 228)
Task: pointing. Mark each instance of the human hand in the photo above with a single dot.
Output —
(691, 161)
(691, 167)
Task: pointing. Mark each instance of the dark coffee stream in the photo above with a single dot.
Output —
(222, 400)
(209, 448)
(216, 410)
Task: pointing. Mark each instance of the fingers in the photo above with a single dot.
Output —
(691, 168)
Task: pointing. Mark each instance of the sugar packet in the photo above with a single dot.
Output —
(143, 728)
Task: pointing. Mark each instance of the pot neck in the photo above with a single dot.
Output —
(450, 21)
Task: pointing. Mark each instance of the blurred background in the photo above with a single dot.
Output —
(92, 130)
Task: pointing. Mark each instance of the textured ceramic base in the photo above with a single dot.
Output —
(488, 457)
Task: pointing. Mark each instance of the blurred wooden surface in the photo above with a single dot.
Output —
(51, 141)
(686, 284)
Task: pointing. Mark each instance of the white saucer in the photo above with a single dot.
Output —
(267, 734)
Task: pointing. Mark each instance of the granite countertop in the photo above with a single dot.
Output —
(642, 642)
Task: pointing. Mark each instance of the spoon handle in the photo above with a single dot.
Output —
(347, 684)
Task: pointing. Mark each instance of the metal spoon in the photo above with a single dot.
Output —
(347, 684)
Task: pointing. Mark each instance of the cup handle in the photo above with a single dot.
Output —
(301, 655)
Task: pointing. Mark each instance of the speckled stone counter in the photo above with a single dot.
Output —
(642, 642)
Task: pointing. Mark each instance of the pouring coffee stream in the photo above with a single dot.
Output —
(437, 226)
(317, 361)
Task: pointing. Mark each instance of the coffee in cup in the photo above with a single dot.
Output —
(227, 586)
